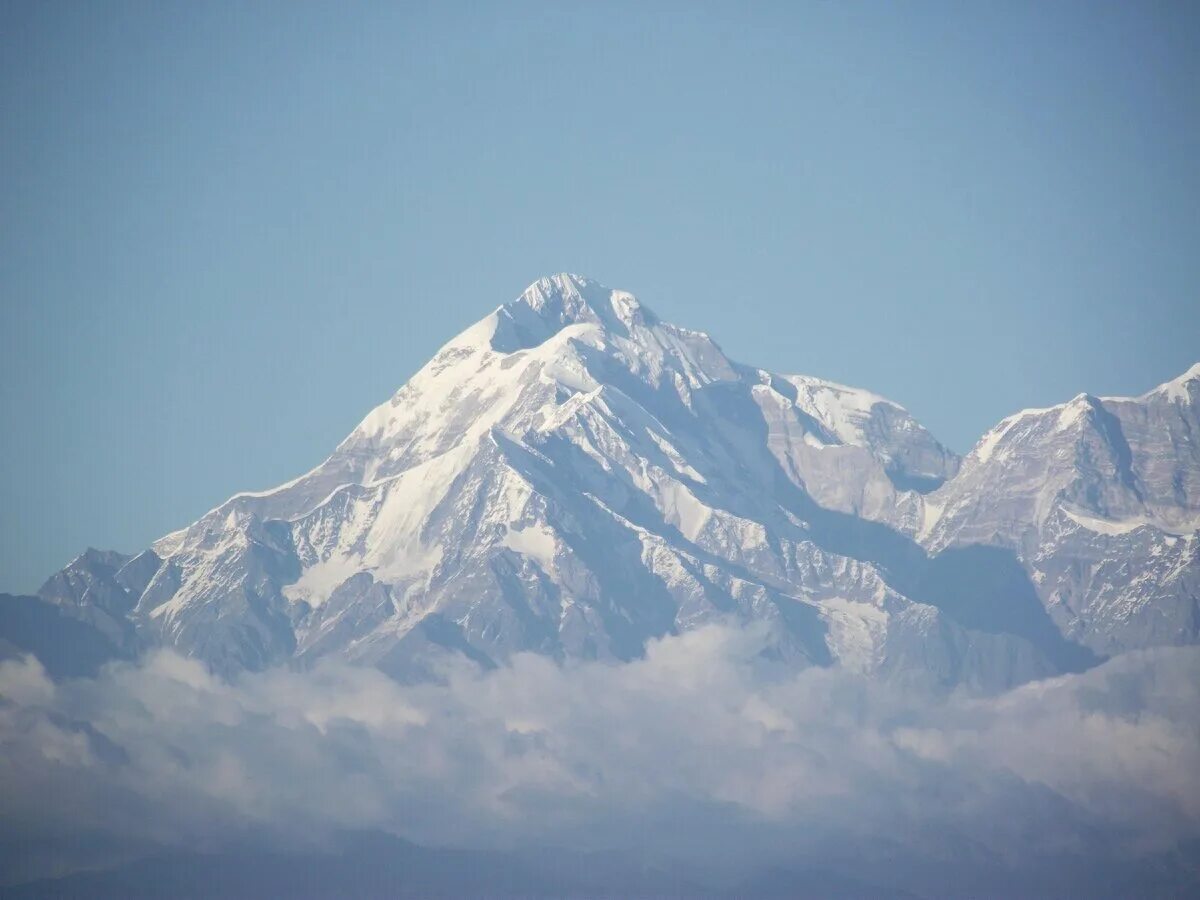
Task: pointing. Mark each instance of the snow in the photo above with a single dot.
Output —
(685, 511)
(841, 409)
(677, 461)
(1067, 415)
(989, 442)
(1179, 389)
(573, 401)
(1074, 411)
(931, 512)
(368, 508)
(320, 580)
(856, 632)
(626, 306)
(1126, 525)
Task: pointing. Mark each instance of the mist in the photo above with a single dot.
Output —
(701, 758)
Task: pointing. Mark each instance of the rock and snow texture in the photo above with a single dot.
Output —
(573, 476)
(1100, 499)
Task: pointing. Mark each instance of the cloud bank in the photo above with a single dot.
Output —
(701, 754)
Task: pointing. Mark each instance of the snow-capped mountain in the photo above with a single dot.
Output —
(1100, 498)
(573, 476)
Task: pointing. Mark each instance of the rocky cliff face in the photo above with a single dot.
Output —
(572, 476)
(1100, 499)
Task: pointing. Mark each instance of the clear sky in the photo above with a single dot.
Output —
(229, 229)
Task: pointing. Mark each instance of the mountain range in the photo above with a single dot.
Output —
(572, 476)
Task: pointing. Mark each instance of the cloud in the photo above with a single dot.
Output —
(700, 752)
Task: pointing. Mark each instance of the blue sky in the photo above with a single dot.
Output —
(228, 230)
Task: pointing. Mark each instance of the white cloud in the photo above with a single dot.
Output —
(700, 751)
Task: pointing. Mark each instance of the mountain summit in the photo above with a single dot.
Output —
(573, 476)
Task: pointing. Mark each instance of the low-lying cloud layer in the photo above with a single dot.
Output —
(699, 753)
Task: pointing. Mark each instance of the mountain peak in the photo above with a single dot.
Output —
(563, 285)
(1179, 388)
(555, 302)
(572, 476)
(1191, 375)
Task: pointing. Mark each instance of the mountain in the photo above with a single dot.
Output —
(573, 476)
(1100, 498)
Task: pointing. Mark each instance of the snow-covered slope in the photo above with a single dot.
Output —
(573, 476)
(1100, 498)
